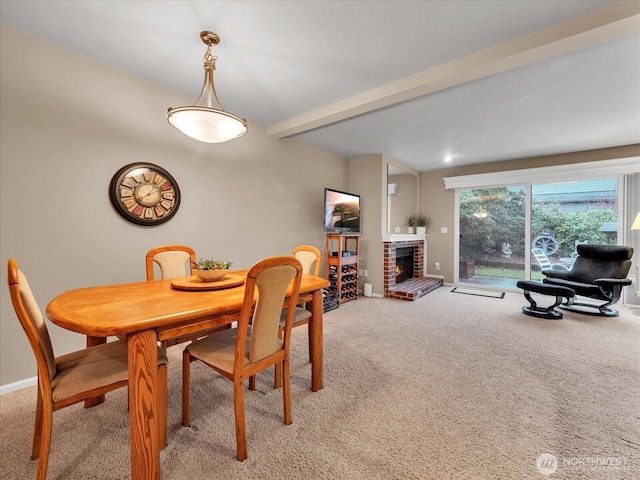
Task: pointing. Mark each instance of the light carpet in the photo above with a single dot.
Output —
(446, 387)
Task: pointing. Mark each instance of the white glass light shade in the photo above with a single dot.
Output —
(636, 223)
(206, 124)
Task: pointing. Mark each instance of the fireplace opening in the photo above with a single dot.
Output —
(404, 264)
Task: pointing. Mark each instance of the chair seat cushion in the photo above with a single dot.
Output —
(299, 314)
(218, 349)
(584, 289)
(91, 368)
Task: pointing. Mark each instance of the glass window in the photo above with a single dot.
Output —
(497, 247)
(564, 215)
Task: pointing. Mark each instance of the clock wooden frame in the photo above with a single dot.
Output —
(144, 194)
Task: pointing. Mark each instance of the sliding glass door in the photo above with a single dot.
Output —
(513, 233)
(492, 236)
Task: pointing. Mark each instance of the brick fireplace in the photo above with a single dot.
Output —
(411, 288)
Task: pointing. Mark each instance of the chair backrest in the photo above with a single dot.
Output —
(310, 258)
(32, 321)
(270, 279)
(172, 260)
(601, 261)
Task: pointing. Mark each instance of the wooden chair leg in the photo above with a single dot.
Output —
(277, 381)
(161, 402)
(252, 383)
(286, 391)
(45, 441)
(241, 434)
(309, 336)
(186, 371)
(37, 429)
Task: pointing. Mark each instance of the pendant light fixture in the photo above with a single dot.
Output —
(205, 123)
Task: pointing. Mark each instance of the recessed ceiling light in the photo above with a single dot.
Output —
(448, 158)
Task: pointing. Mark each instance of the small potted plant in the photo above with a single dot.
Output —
(422, 223)
(208, 269)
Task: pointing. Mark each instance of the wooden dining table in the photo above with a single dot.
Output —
(143, 313)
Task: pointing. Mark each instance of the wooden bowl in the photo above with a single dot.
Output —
(210, 275)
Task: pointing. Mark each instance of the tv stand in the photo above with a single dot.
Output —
(341, 253)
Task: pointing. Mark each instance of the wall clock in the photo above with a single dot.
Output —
(144, 193)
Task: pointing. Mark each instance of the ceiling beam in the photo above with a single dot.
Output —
(580, 32)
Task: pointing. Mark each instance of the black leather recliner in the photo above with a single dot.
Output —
(599, 272)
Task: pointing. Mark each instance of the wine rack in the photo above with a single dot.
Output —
(341, 254)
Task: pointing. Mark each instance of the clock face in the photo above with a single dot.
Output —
(144, 194)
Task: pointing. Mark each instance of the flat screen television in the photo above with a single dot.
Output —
(341, 212)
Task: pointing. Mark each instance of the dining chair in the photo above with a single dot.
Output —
(74, 377)
(310, 258)
(173, 260)
(242, 352)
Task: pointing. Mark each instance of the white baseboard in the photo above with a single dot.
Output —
(12, 387)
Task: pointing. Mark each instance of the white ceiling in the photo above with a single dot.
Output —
(484, 84)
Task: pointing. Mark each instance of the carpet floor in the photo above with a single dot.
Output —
(447, 387)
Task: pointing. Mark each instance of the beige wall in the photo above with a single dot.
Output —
(69, 123)
(438, 203)
(367, 180)
(404, 202)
